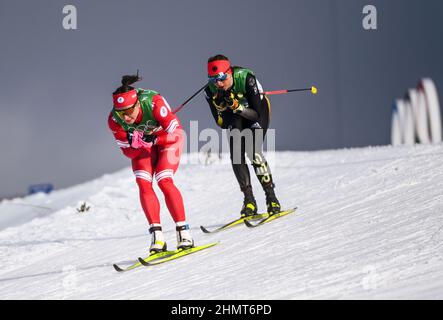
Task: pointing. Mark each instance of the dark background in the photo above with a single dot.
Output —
(56, 84)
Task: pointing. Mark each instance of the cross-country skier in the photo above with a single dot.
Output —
(237, 101)
(152, 137)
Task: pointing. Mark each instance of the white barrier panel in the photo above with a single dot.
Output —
(396, 136)
(402, 123)
(405, 122)
(427, 86)
(417, 117)
(408, 123)
(420, 115)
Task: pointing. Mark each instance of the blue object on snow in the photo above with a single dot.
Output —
(43, 187)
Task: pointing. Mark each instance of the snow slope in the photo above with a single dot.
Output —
(369, 225)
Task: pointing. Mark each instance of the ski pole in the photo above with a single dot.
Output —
(189, 99)
(180, 107)
(312, 89)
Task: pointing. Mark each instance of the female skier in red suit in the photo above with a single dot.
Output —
(150, 134)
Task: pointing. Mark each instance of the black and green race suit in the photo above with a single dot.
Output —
(255, 117)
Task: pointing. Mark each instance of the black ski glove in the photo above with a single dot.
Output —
(233, 103)
(150, 138)
(218, 100)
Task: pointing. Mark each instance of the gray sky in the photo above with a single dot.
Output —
(56, 84)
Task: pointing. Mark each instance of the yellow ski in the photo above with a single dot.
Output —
(151, 257)
(236, 222)
(271, 218)
(177, 254)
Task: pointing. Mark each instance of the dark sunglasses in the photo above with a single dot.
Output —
(222, 76)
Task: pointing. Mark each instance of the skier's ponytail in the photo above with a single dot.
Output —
(127, 80)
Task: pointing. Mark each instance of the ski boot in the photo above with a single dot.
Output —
(249, 208)
(158, 243)
(184, 239)
(249, 205)
(272, 203)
